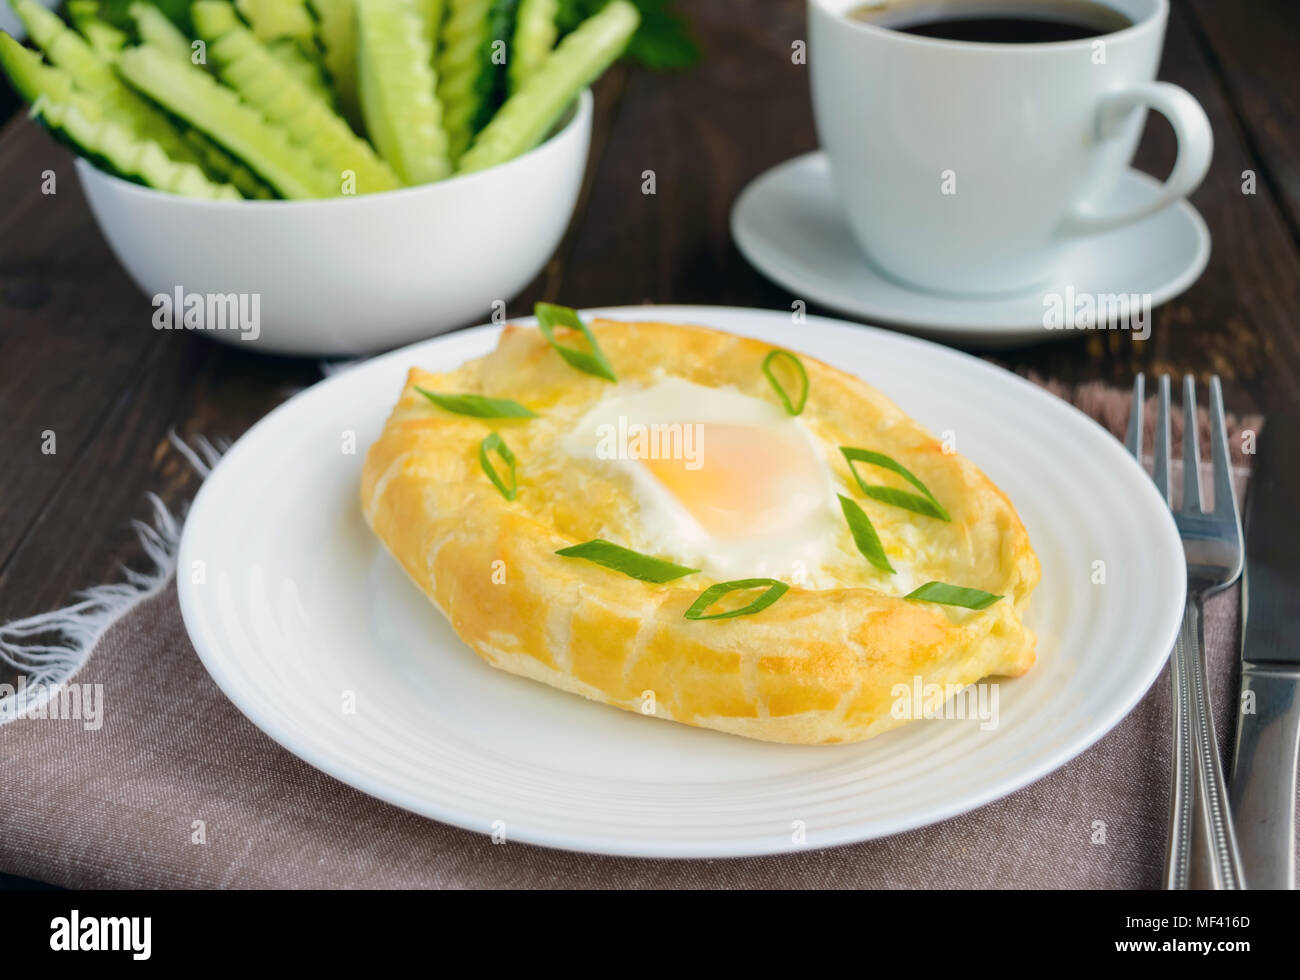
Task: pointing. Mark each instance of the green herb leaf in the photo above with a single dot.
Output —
(864, 535)
(715, 592)
(494, 443)
(926, 505)
(629, 562)
(550, 316)
(479, 406)
(953, 595)
(791, 407)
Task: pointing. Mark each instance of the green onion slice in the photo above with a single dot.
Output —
(926, 504)
(494, 443)
(629, 562)
(550, 316)
(479, 406)
(953, 595)
(715, 592)
(864, 535)
(785, 355)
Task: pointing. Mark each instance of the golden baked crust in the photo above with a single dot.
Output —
(818, 666)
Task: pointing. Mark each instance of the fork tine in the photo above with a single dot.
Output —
(1161, 474)
(1225, 501)
(1134, 440)
(1191, 449)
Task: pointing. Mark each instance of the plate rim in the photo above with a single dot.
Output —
(761, 259)
(281, 729)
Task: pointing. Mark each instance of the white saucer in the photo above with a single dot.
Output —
(788, 224)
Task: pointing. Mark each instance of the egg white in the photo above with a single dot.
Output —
(802, 543)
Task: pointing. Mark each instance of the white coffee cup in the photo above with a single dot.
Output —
(970, 167)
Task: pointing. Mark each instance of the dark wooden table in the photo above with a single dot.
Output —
(78, 355)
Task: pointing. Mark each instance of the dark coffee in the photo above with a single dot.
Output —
(995, 21)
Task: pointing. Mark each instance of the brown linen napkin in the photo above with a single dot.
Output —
(177, 789)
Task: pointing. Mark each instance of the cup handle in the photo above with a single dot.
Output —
(1195, 146)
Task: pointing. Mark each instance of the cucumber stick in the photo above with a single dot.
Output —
(336, 30)
(493, 79)
(246, 66)
(32, 77)
(35, 80)
(396, 83)
(106, 39)
(221, 166)
(460, 65)
(303, 64)
(94, 75)
(274, 19)
(183, 144)
(529, 114)
(430, 13)
(535, 33)
(196, 97)
(156, 28)
(103, 140)
(84, 123)
(286, 27)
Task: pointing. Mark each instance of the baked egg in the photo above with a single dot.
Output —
(748, 539)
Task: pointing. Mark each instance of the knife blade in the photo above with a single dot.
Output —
(1262, 790)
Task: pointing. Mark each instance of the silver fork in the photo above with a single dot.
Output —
(1212, 546)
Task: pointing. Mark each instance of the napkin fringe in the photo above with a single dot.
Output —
(48, 649)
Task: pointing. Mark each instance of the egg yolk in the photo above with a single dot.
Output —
(742, 480)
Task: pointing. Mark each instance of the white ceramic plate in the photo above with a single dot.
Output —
(302, 610)
(787, 223)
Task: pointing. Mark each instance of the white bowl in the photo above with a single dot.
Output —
(352, 275)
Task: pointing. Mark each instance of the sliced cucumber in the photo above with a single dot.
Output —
(156, 28)
(54, 89)
(460, 65)
(336, 31)
(106, 39)
(95, 76)
(274, 19)
(493, 77)
(221, 166)
(430, 13)
(196, 97)
(396, 84)
(32, 77)
(246, 66)
(477, 38)
(304, 65)
(288, 30)
(535, 33)
(529, 114)
(103, 140)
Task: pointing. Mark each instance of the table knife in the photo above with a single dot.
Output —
(1262, 789)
